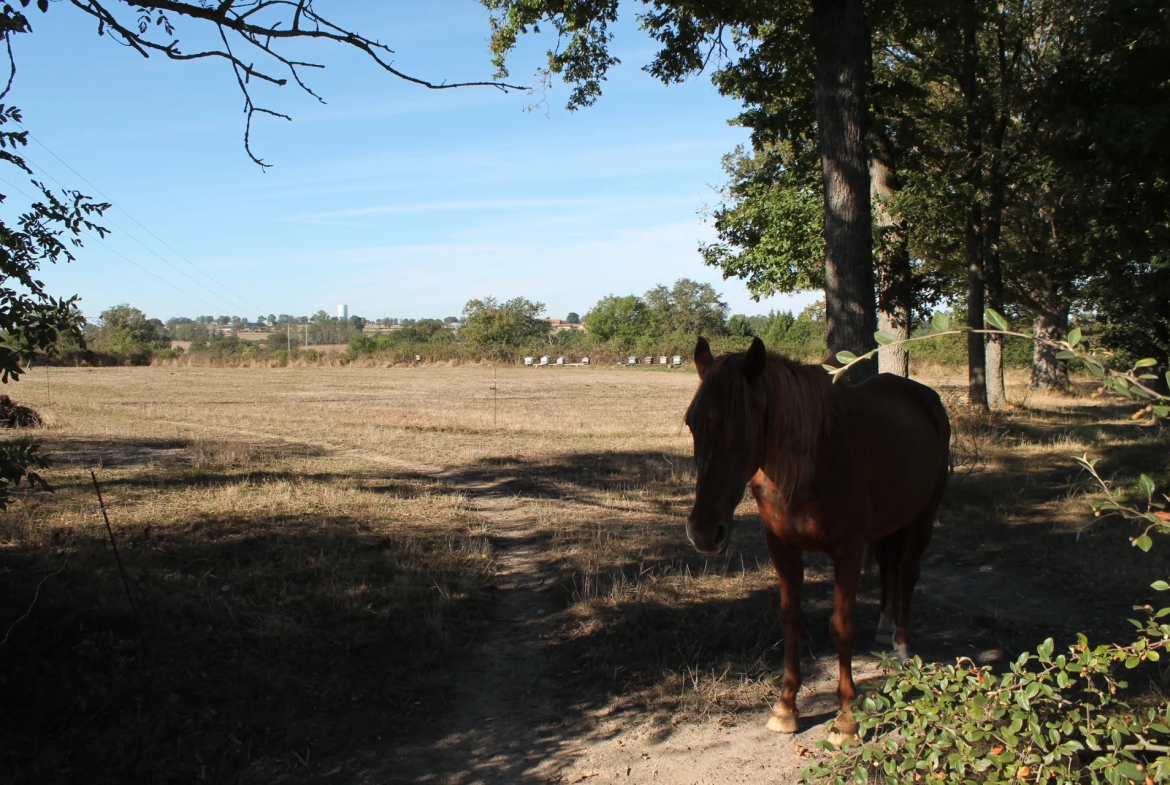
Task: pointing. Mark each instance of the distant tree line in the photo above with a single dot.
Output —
(663, 320)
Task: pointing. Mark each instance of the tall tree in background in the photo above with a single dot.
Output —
(973, 180)
(896, 294)
(842, 45)
(771, 223)
(832, 33)
(1109, 121)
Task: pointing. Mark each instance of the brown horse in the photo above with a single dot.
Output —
(833, 468)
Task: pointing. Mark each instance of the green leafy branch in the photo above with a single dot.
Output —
(1155, 516)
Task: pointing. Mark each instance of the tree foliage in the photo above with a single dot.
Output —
(688, 308)
(680, 312)
(126, 331)
(501, 327)
(618, 321)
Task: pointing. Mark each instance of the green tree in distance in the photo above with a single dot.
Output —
(126, 331)
(618, 321)
(687, 308)
(501, 327)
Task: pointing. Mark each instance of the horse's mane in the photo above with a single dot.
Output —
(800, 413)
(799, 417)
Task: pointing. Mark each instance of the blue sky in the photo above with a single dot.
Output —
(394, 199)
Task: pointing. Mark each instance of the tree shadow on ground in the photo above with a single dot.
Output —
(264, 646)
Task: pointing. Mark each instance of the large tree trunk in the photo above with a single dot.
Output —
(976, 359)
(993, 228)
(1049, 373)
(895, 289)
(993, 224)
(842, 58)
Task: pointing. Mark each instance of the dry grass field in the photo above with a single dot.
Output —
(466, 574)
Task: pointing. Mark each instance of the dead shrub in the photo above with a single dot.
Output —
(13, 415)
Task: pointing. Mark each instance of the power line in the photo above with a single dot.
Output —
(165, 261)
(144, 228)
(123, 256)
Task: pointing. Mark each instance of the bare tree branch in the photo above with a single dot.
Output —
(261, 25)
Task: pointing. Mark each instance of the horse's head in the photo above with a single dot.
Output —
(727, 420)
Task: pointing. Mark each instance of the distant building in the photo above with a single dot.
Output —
(342, 311)
(560, 325)
(372, 328)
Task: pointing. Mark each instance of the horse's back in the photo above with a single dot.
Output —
(906, 399)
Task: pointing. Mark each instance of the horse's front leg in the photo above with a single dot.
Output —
(790, 569)
(846, 573)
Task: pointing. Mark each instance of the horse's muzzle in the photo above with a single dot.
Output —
(709, 539)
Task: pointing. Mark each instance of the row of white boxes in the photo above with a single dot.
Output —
(674, 361)
(559, 361)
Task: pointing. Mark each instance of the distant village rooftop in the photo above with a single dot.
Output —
(560, 325)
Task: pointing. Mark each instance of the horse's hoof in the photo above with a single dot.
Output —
(782, 723)
(837, 738)
(902, 651)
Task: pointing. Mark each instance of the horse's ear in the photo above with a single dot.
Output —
(757, 358)
(703, 356)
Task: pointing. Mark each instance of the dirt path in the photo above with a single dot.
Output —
(519, 716)
(519, 719)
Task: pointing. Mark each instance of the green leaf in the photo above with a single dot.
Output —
(1162, 411)
(1144, 542)
(1045, 648)
(1074, 336)
(940, 321)
(846, 357)
(995, 319)
(1147, 486)
(884, 338)
(1160, 586)
(1130, 770)
(1095, 368)
(1145, 362)
(1065, 354)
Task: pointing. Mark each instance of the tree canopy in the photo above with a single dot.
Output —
(503, 326)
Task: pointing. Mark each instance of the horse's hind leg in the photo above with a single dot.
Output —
(914, 545)
(790, 569)
(888, 551)
(846, 573)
